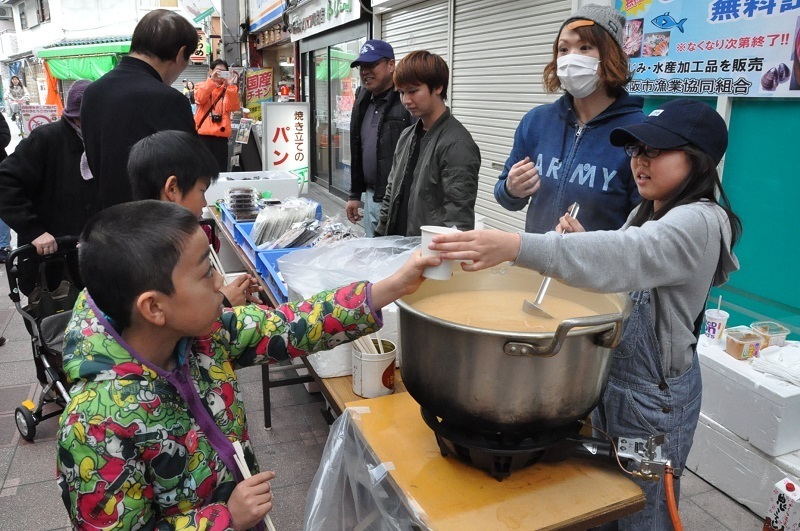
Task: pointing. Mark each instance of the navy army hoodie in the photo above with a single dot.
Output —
(575, 163)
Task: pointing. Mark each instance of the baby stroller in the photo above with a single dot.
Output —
(51, 285)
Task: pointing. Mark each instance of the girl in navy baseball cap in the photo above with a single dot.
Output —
(674, 246)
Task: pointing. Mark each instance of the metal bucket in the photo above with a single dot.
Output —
(509, 381)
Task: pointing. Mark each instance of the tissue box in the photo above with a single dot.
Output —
(756, 407)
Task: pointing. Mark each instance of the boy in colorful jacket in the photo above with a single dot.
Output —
(146, 440)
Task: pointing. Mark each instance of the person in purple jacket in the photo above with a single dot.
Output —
(561, 152)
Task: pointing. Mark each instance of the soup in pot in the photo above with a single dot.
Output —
(500, 310)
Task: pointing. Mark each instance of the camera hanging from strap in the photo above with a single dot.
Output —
(221, 96)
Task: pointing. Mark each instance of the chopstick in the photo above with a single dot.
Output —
(242, 464)
(366, 345)
(380, 343)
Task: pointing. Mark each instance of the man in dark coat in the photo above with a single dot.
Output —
(43, 194)
(376, 122)
(135, 100)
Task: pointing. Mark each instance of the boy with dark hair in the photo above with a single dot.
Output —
(434, 177)
(174, 166)
(146, 440)
(135, 99)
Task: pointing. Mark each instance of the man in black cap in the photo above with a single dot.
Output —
(377, 120)
(44, 191)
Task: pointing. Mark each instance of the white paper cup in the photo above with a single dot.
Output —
(445, 270)
(715, 324)
(373, 374)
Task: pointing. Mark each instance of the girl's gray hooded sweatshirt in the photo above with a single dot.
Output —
(677, 256)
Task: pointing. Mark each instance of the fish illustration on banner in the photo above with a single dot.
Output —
(665, 22)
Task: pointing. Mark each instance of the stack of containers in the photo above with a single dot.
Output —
(243, 203)
(748, 436)
(240, 205)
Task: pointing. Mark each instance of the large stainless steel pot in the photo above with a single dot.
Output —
(508, 381)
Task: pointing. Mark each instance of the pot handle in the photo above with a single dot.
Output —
(608, 339)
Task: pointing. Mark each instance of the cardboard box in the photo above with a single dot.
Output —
(757, 407)
(735, 467)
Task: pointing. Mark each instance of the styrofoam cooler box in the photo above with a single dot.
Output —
(280, 184)
(735, 467)
(759, 408)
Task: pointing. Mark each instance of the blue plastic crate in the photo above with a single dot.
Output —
(241, 235)
(268, 262)
(242, 229)
(227, 217)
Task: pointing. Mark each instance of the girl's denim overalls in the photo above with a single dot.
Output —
(640, 401)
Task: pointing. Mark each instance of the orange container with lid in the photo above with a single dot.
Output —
(772, 334)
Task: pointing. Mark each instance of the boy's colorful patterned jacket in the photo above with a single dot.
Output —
(140, 447)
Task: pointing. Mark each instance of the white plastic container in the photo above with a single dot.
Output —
(772, 334)
(373, 374)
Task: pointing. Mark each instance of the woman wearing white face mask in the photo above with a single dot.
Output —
(561, 151)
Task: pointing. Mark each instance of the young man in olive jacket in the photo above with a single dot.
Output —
(434, 178)
(378, 119)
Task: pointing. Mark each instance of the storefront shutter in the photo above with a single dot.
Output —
(193, 73)
(500, 48)
(421, 26)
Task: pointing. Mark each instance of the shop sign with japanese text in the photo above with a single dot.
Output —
(263, 12)
(199, 55)
(315, 16)
(258, 88)
(713, 47)
(285, 130)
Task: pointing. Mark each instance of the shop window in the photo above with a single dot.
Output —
(23, 18)
(43, 10)
(334, 85)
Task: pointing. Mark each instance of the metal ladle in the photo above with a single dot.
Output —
(533, 308)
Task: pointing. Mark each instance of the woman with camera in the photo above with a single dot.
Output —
(216, 99)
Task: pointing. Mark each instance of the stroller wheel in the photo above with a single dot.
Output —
(26, 424)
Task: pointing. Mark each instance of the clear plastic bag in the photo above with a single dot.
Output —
(309, 271)
(351, 490)
(274, 221)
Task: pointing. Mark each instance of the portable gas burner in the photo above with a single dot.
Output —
(500, 454)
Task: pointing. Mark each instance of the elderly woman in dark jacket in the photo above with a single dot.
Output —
(43, 191)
